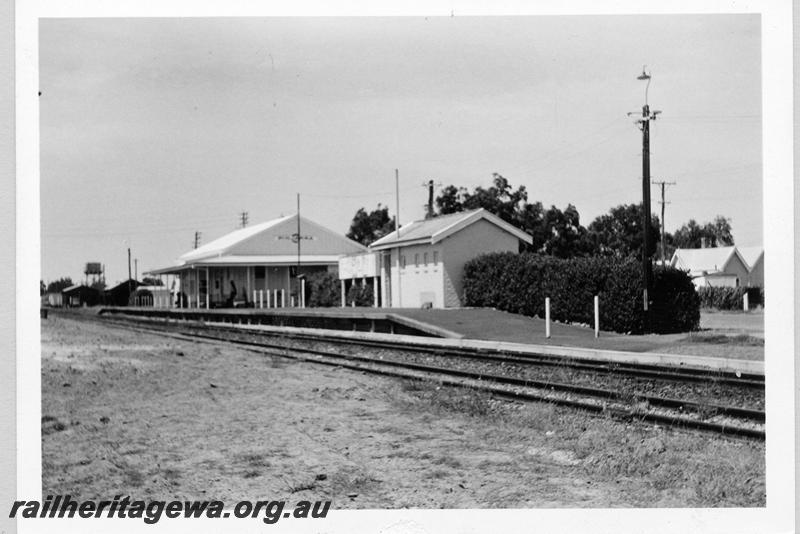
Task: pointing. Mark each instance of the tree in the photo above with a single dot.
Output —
(720, 231)
(554, 232)
(566, 237)
(619, 232)
(59, 285)
(367, 228)
(716, 234)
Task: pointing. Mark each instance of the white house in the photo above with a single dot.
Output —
(422, 264)
(754, 256)
(261, 258)
(717, 266)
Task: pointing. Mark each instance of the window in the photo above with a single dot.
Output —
(402, 260)
(260, 271)
(425, 259)
(435, 257)
(416, 260)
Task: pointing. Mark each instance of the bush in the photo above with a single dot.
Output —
(519, 283)
(322, 290)
(363, 296)
(729, 298)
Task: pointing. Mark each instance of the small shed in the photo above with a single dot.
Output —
(120, 294)
(80, 295)
(754, 256)
(715, 267)
(422, 264)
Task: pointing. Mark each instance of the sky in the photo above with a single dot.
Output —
(152, 129)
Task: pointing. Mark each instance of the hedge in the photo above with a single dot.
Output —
(323, 290)
(730, 298)
(519, 283)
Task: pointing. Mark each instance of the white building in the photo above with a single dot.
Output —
(423, 263)
(716, 267)
(754, 256)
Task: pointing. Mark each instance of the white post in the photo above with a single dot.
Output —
(547, 317)
(344, 296)
(261, 298)
(353, 304)
(375, 291)
(746, 301)
(254, 297)
(283, 298)
(302, 292)
(268, 294)
(291, 301)
(596, 316)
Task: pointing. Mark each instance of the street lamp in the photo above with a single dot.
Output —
(647, 267)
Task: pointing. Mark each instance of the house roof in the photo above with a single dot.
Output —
(434, 230)
(751, 255)
(708, 260)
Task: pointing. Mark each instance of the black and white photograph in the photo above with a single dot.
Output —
(457, 261)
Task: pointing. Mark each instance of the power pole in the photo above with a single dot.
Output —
(136, 268)
(397, 198)
(299, 239)
(129, 271)
(197, 238)
(663, 203)
(243, 216)
(647, 266)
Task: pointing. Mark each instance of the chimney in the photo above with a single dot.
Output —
(429, 213)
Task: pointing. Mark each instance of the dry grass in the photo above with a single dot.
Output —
(679, 467)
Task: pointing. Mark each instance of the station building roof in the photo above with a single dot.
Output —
(431, 231)
(272, 242)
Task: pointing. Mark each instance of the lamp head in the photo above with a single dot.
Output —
(643, 75)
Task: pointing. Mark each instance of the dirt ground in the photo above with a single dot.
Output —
(156, 418)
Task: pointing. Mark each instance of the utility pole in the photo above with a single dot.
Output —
(136, 268)
(299, 239)
(647, 266)
(197, 238)
(663, 203)
(129, 271)
(397, 198)
(243, 216)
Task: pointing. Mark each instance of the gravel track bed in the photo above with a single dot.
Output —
(701, 392)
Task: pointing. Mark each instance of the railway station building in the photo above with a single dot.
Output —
(261, 261)
(422, 264)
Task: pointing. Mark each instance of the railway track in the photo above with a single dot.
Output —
(676, 412)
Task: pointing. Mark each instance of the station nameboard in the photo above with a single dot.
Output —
(359, 266)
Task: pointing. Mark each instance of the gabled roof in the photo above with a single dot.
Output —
(272, 242)
(704, 260)
(751, 255)
(433, 230)
(223, 244)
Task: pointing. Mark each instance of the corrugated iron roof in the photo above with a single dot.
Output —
(441, 226)
(697, 260)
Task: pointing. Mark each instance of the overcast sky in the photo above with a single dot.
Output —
(152, 129)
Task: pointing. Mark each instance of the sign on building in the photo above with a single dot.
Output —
(364, 265)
